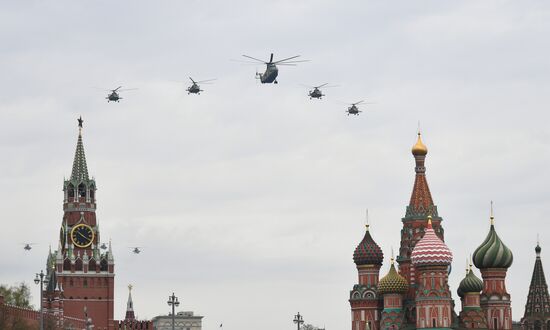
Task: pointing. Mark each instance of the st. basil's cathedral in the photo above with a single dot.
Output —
(415, 294)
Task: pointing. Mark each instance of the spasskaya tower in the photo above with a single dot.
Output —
(81, 272)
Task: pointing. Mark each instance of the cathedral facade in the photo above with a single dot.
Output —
(416, 294)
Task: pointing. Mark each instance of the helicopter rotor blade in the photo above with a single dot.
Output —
(116, 89)
(192, 80)
(356, 103)
(256, 59)
(127, 89)
(283, 60)
(271, 58)
(205, 81)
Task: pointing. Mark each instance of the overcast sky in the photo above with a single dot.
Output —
(249, 199)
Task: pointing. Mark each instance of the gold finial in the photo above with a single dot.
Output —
(467, 268)
(492, 217)
(419, 149)
(391, 259)
(130, 286)
(430, 219)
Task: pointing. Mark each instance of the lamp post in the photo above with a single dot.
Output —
(298, 319)
(88, 320)
(173, 301)
(40, 279)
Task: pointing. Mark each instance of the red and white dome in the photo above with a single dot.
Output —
(431, 250)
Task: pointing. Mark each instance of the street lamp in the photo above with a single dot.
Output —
(40, 279)
(88, 320)
(173, 301)
(298, 319)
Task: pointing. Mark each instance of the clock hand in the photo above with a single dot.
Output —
(79, 233)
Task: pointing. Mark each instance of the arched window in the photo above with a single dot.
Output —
(434, 323)
(78, 265)
(82, 190)
(104, 265)
(70, 190)
(67, 264)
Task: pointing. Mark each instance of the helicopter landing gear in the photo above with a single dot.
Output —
(275, 82)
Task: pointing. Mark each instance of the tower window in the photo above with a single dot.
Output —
(82, 190)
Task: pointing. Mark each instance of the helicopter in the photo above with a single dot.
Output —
(271, 71)
(114, 93)
(316, 93)
(28, 246)
(136, 249)
(195, 88)
(353, 110)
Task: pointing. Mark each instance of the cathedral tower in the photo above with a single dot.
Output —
(537, 308)
(471, 316)
(392, 287)
(421, 206)
(431, 258)
(493, 258)
(364, 300)
(83, 274)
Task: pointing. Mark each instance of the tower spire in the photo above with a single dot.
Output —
(130, 305)
(538, 299)
(421, 199)
(80, 168)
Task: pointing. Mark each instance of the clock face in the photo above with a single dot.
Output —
(82, 235)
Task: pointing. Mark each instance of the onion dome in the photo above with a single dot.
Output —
(431, 250)
(368, 252)
(419, 149)
(470, 283)
(392, 282)
(492, 253)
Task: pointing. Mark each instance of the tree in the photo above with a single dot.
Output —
(310, 327)
(18, 295)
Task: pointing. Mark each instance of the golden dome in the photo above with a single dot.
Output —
(419, 149)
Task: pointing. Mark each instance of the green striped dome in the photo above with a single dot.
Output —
(470, 283)
(492, 253)
(392, 282)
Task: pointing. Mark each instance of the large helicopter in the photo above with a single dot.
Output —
(316, 93)
(353, 110)
(271, 71)
(114, 93)
(28, 246)
(195, 88)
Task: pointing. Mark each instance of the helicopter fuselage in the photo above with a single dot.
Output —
(270, 74)
(316, 94)
(113, 97)
(353, 110)
(194, 89)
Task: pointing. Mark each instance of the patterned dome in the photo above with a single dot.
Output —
(431, 250)
(368, 252)
(470, 283)
(392, 282)
(492, 253)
